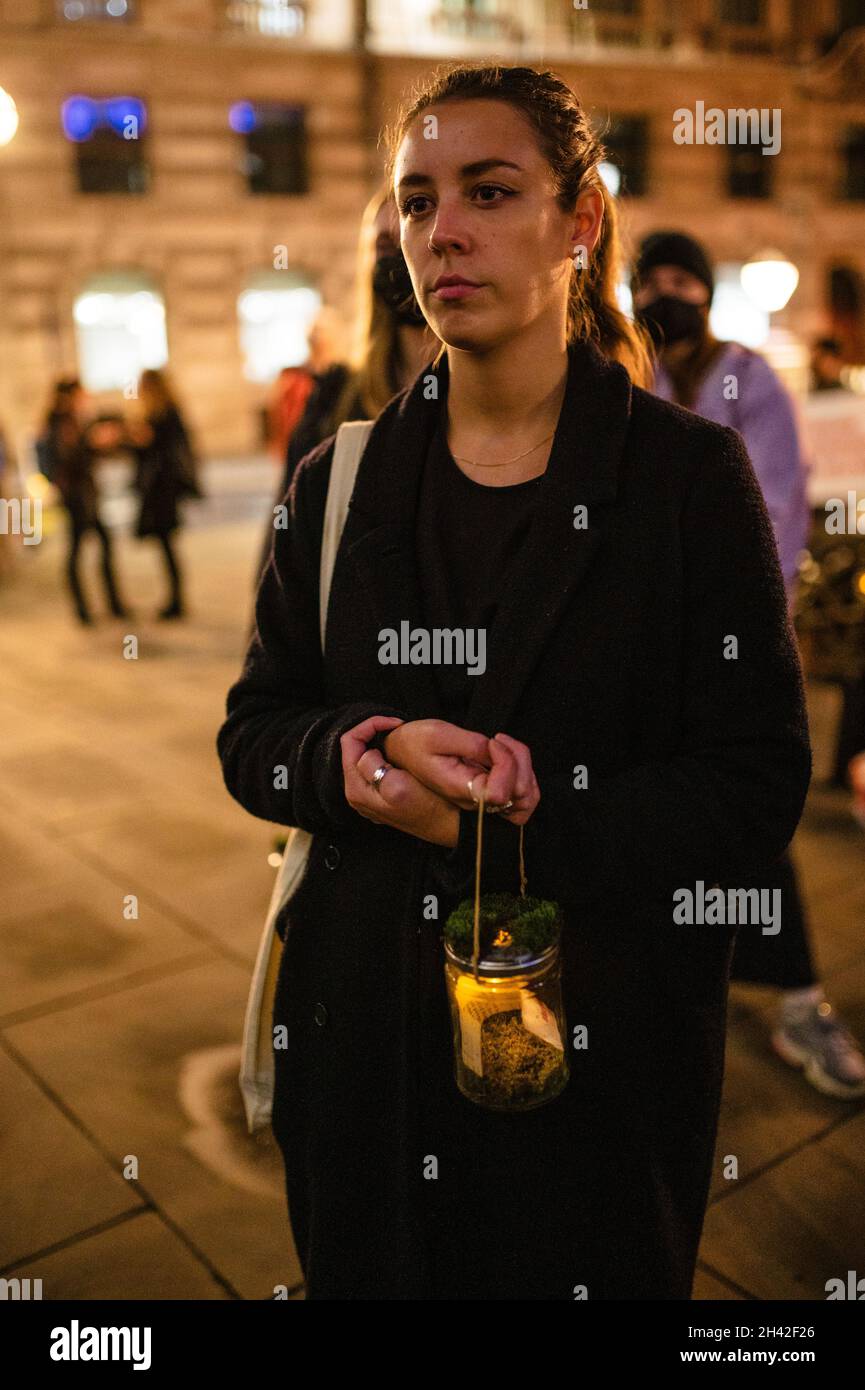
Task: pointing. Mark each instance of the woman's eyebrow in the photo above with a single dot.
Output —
(480, 166)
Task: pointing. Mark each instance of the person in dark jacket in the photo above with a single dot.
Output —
(394, 341)
(611, 723)
(165, 475)
(673, 286)
(73, 447)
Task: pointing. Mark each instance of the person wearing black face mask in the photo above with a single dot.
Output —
(391, 282)
(396, 342)
(672, 286)
(669, 320)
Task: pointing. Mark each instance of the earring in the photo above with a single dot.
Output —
(580, 258)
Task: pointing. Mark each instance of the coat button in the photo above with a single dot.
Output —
(320, 1015)
(332, 857)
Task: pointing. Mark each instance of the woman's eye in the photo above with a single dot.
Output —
(406, 207)
(494, 188)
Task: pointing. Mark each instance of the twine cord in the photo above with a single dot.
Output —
(476, 946)
(476, 943)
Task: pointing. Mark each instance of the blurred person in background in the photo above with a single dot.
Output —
(827, 364)
(392, 339)
(166, 474)
(293, 386)
(392, 342)
(672, 286)
(288, 398)
(67, 451)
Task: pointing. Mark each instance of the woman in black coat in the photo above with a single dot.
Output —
(165, 475)
(610, 570)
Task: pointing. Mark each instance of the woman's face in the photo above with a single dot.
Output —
(477, 201)
(386, 230)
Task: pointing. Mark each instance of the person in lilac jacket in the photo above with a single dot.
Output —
(762, 412)
(673, 285)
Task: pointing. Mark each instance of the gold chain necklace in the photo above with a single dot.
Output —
(507, 461)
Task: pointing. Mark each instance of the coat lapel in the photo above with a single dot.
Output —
(582, 471)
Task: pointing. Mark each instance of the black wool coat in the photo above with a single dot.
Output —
(164, 475)
(608, 653)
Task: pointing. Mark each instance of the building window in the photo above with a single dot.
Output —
(275, 154)
(749, 171)
(281, 18)
(109, 139)
(626, 140)
(478, 19)
(851, 14)
(275, 311)
(95, 9)
(846, 292)
(853, 179)
(740, 12)
(120, 329)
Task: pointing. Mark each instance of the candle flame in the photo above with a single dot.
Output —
(504, 938)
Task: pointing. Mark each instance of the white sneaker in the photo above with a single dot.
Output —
(817, 1041)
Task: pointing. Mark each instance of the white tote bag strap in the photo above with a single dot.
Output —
(350, 443)
(256, 1066)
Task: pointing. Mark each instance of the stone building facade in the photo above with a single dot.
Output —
(198, 233)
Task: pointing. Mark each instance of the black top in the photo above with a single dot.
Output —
(467, 535)
(165, 473)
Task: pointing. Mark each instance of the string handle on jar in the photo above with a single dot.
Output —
(476, 946)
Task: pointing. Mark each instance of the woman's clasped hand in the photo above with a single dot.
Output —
(429, 765)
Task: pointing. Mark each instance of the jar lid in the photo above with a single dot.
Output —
(501, 960)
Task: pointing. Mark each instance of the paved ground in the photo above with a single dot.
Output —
(119, 1038)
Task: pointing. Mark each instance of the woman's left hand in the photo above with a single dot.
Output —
(398, 799)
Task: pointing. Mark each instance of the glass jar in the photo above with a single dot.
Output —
(508, 1028)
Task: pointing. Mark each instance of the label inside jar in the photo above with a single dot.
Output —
(539, 1019)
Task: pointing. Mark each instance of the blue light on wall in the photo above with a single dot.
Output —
(82, 116)
(242, 118)
(125, 113)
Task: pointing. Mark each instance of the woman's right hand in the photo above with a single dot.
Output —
(445, 757)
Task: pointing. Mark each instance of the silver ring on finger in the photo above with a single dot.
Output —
(379, 774)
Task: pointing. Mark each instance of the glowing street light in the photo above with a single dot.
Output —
(8, 117)
(769, 279)
(611, 176)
